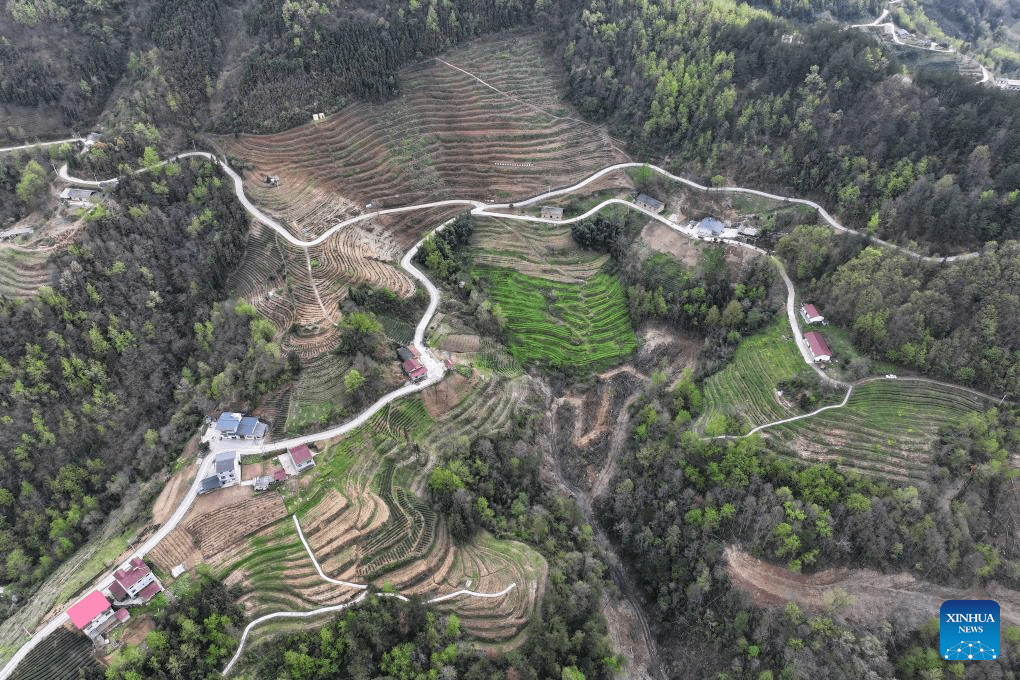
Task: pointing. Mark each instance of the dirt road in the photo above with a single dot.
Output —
(875, 596)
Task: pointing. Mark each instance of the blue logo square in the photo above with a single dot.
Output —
(969, 630)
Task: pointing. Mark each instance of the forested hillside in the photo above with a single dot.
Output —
(678, 502)
(107, 373)
(714, 88)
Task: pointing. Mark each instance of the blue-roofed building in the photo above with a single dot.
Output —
(251, 428)
(228, 423)
(710, 227)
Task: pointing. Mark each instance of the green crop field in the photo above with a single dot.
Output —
(886, 428)
(59, 657)
(580, 327)
(746, 388)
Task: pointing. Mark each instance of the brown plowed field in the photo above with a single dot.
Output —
(448, 136)
(172, 493)
(176, 548)
(875, 595)
(217, 531)
(440, 398)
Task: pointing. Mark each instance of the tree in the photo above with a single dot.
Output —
(32, 185)
(353, 380)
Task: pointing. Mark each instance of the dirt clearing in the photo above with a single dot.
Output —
(661, 238)
(441, 398)
(875, 596)
(172, 493)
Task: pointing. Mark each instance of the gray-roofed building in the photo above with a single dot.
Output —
(404, 354)
(226, 468)
(262, 482)
(552, 213)
(710, 227)
(74, 194)
(649, 203)
(209, 484)
(749, 231)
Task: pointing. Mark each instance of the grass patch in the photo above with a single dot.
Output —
(745, 390)
(886, 428)
(575, 327)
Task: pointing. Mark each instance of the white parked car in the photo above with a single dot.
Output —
(890, 376)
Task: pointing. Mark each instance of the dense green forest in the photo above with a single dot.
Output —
(108, 371)
(956, 320)
(195, 635)
(678, 501)
(715, 88)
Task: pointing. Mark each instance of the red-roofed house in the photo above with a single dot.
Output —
(816, 344)
(135, 581)
(93, 615)
(414, 370)
(301, 456)
(811, 314)
(280, 475)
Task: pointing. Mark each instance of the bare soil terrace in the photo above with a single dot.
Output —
(448, 135)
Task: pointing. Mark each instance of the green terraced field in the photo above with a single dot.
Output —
(746, 387)
(579, 327)
(886, 428)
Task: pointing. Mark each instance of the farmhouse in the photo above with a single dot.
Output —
(414, 370)
(240, 426)
(649, 203)
(409, 362)
(816, 344)
(748, 230)
(136, 581)
(209, 484)
(226, 468)
(74, 195)
(301, 456)
(551, 213)
(93, 616)
(710, 227)
(811, 314)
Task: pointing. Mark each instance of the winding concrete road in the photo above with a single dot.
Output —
(435, 368)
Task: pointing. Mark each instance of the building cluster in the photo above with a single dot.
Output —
(816, 344)
(94, 614)
(240, 426)
(410, 362)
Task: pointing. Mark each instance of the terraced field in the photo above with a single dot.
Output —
(22, 272)
(58, 657)
(746, 387)
(317, 392)
(364, 520)
(535, 249)
(886, 428)
(448, 135)
(582, 327)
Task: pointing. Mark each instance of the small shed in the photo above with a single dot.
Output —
(262, 482)
(648, 203)
(280, 476)
(552, 213)
(749, 231)
(404, 354)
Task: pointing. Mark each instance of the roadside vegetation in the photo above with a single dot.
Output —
(107, 372)
(678, 500)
